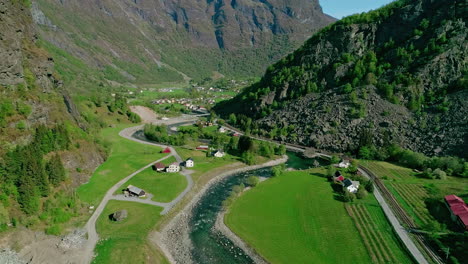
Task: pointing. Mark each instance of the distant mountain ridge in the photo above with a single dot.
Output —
(145, 41)
(397, 75)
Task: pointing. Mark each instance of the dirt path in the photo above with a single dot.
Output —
(146, 114)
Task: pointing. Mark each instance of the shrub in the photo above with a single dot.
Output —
(439, 174)
(361, 193)
(55, 230)
(252, 181)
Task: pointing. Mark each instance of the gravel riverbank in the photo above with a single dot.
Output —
(174, 238)
(221, 227)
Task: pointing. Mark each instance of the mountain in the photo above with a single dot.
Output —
(394, 75)
(143, 41)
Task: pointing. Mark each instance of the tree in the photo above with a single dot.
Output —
(252, 181)
(347, 88)
(232, 119)
(248, 158)
(245, 144)
(280, 150)
(369, 186)
(334, 159)
(278, 170)
(365, 153)
(55, 170)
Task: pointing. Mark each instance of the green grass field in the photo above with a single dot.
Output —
(126, 157)
(126, 241)
(164, 186)
(412, 191)
(294, 218)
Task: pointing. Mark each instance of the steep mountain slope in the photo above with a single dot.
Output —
(143, 41)
(396, 75)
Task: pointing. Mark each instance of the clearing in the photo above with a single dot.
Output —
(294, 218)
(126, 241)
(126, 157)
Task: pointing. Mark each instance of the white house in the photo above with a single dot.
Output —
(351, 186)
(222, 130)
(189, 163)
(174, 167)
(344, 164)
(219, 154)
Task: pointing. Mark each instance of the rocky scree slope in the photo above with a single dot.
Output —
(142, 41)
(31, 94)
(398, 73)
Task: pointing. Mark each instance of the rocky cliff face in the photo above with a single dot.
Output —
(193, 37)
(30, 92)
(399, 72)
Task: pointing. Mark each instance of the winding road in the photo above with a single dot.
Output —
(127, 133)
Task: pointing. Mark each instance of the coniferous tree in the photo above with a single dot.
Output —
(55, 170)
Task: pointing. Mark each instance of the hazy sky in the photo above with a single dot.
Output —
(341, 8)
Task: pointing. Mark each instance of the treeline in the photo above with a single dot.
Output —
(159, 134)
(26, 176)
(432, 167)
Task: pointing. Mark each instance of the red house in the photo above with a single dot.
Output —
(166, 150)
(458, 210)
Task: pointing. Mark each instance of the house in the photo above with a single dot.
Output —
(166, 150)
(222, 130)
(135, 191)
(458, 210)
(338, 177)
(174, 167)
(189, 163)
(344, 163)
(159, 166)
(219, 154)
(202, 147)
(351, 186)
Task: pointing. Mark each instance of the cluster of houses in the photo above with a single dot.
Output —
(458, 210)
(188, 103)
(216, 153)
(348, 184)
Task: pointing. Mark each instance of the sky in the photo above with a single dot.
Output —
(342, 8)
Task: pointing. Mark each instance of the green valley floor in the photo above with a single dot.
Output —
(296, 218)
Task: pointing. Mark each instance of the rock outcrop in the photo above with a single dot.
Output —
(398, 74)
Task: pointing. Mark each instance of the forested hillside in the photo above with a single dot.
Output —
(47, 147)
(396, 75)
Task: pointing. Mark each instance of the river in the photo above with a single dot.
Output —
(210, 246)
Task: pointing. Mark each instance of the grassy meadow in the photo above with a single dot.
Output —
(164, 186)
(294, 218)
(126, 157)
(126, 241)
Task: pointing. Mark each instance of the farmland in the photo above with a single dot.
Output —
(126, 241)
(291, 227)
(125, 157)
(413, 192)
(377, 235)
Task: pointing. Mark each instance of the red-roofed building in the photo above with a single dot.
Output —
(458, 210)
(159, 166)
(166, 150)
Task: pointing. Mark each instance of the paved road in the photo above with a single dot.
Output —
(90, 226)
(404, 237)
(127, 133)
